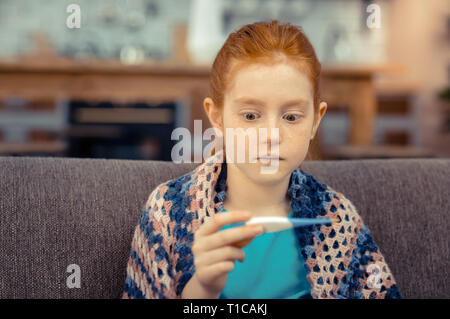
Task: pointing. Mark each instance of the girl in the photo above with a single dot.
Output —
(266, 75)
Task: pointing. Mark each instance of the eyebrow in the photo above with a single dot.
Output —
(256, 102)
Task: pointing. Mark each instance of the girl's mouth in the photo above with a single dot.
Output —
(269, 158)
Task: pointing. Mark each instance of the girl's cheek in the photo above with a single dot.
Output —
(298, 133)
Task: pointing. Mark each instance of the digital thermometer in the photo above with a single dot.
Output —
(273, 224)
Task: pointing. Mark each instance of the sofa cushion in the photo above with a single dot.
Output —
(61, 211)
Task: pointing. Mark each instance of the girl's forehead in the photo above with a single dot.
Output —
(269, 81)
(241, 67)
(237, 65)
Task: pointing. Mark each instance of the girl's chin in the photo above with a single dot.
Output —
(268, 169)
(269, 163)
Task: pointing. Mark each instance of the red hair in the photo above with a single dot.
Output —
(267, 42)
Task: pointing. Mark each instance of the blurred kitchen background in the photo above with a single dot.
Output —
(137, 69)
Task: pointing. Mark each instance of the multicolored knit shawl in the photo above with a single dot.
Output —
(338, 258)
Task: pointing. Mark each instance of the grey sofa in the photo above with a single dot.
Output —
(60, 211)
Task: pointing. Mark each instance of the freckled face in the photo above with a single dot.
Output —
(271, 96)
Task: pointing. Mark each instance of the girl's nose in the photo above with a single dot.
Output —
(272, 134)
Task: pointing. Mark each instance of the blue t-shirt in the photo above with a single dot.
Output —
(273, 268)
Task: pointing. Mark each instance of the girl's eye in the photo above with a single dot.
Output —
(250, 116)
(292, 117)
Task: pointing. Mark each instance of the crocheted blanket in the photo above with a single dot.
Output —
(341, 260)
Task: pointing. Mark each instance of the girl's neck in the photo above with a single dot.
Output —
(259, 199)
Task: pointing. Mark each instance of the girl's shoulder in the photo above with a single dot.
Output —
(168, 189)
(317, 190)
(174, 190)
(341, 207)
(332, 202)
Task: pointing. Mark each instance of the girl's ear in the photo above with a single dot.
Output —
(213, 112)
(317, 118)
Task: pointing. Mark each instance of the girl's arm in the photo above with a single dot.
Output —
(371, 276)
(193, 290)
(150, 274)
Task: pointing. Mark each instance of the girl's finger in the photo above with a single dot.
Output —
(230, 236)
(225, 253)
(221, 219)
(212, 272)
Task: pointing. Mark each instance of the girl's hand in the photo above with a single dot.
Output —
(215, 252)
